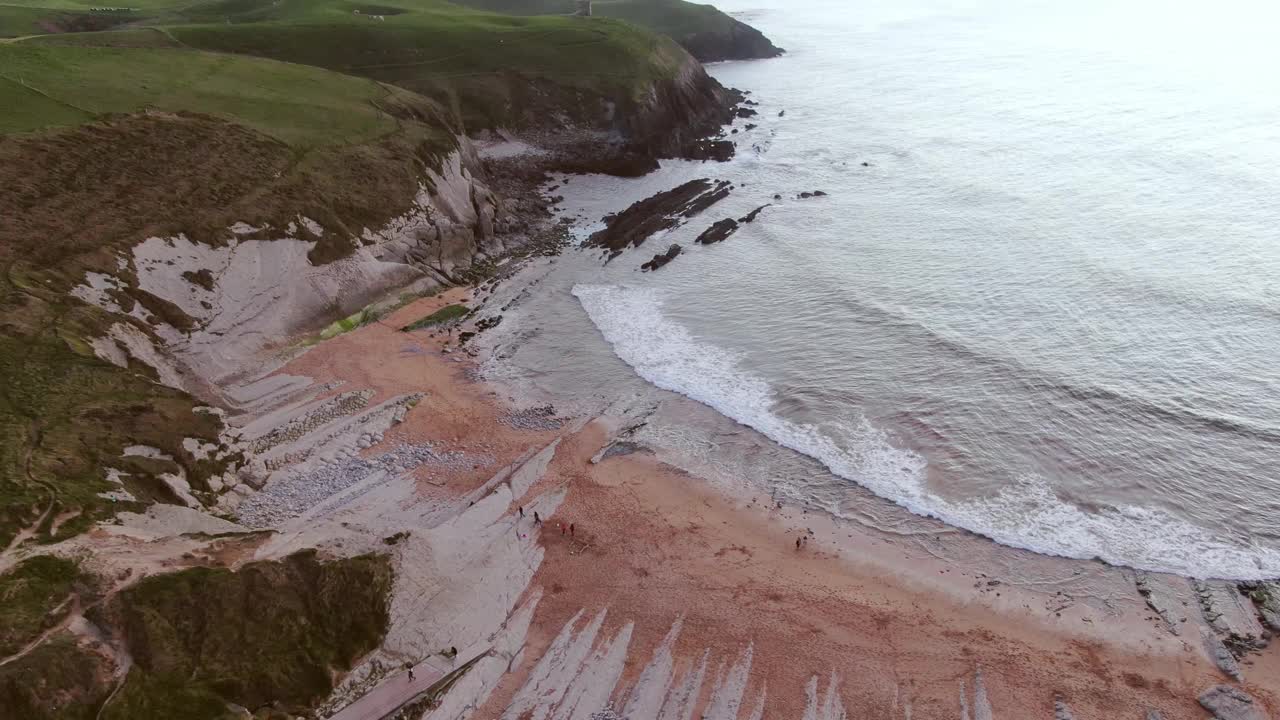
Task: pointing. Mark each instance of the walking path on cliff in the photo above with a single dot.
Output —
(398, 690)
(391, 694)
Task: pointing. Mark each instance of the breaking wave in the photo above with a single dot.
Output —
(1027, 514)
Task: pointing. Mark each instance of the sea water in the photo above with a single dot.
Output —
(1040, 301)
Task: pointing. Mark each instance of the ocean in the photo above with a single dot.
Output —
(1038, 303)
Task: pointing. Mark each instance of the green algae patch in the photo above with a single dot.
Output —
(271, 635)
(350, 322)
(446, 314)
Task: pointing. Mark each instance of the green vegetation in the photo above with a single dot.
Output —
(301, 106)
(272, 633)
(703, 30)
(34, 596)
(484, 69)
(676, 18)
(448, 313)
(57, 680)
(351, 322)
(270, 636)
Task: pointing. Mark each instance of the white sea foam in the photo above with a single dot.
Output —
(1027, 515)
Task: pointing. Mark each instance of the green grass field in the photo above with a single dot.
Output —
(301, 106)
(484, 68)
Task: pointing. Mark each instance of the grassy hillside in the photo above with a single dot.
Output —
(703, 30)
(300, 106)
(486, 69)
(87, 175)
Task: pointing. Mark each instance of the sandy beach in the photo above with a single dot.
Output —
(675, 597)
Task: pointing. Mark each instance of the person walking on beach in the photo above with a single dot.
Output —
(536, 520)
(521, 511)
(797, 543)
(570, 529)
(410, 672)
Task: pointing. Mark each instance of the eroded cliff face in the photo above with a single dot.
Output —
(676, 113)
(739, 41)
(259, 288)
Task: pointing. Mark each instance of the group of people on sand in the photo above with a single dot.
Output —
(537, 520)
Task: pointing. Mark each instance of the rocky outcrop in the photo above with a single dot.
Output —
(737, 41)
(661, 259)
(1229, 703)
(719, 231)
(662, 211)
(1266, 597)
(751, 216)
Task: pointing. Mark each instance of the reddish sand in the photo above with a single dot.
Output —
(653, 544)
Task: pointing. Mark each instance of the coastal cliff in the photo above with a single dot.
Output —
(737, 41)
(165, 243)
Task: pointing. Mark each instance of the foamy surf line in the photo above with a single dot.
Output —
(1027, 515)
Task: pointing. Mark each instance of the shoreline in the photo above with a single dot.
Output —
(898, 625)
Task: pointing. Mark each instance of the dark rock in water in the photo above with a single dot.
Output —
(718, 150)
(751, 216)
(718, 231)
(663, 211)
(806, 195)
(619, 165)
(745, 112)
(706, 200)
(488, 323)
(814, 194)
(819, 193)
(661, 259)
(751, 126)
(782, 113)
(777, 196)
(866, 164)
(1229, 703)
(735, 131)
